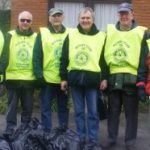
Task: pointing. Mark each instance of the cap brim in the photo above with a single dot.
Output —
(124, 10)
(56, 12)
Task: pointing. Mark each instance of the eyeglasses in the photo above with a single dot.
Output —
(25, 20)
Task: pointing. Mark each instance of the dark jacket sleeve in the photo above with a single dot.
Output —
(38, 58)
(104, 67)
(64, 60)
(142, 70)
(4, 60)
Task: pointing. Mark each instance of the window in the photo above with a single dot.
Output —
(71, 11)
(105, 11)
(105, 14)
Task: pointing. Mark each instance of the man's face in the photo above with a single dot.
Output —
(86, 20)
(25, 21)
(125, 18)
(56, 20)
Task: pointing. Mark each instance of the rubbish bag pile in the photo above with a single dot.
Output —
(32, 137)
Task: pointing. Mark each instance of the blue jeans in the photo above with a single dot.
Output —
(83, 96)
(48, 93)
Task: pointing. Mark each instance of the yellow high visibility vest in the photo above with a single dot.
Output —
(85, 51)
(122, 49)
(20, 65)
(1, 48)
(52, 49)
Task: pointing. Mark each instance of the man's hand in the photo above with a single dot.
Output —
(64, 85)
(141, 94)
(141, 91)
(103, 85)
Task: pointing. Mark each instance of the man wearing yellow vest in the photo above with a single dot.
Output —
(81, 69)
(124, 45)
(1, 42)
(46, 61)
(2, 87)
(16, 62)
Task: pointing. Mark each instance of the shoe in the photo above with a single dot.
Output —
(108, 144)
(21, 129)
(92, 146)
(8, 133)
(82, 145)
(62, 129)
(129, 147)
(100, 148)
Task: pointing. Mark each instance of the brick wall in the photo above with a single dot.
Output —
(142, 12)
(38, 8)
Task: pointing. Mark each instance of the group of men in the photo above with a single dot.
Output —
(84, 60)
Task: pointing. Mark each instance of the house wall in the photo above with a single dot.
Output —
(40, 8)
(142, 12)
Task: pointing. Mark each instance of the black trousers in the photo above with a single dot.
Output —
(117, 98)
(25, 95)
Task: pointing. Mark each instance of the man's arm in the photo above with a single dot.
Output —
(64, 60)
(38, 58)
(142, 69)
(5, 53)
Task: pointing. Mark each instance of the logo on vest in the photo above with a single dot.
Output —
(82, 56)
(57, 52)
(120, 54)
(22, 57)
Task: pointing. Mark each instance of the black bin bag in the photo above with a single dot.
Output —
(102, 106)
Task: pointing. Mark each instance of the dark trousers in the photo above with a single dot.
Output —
(49, 93)
(25, 95)
(117, 98)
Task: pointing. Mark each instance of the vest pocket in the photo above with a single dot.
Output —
(116, 81)
(121, 80)
(130, 79)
